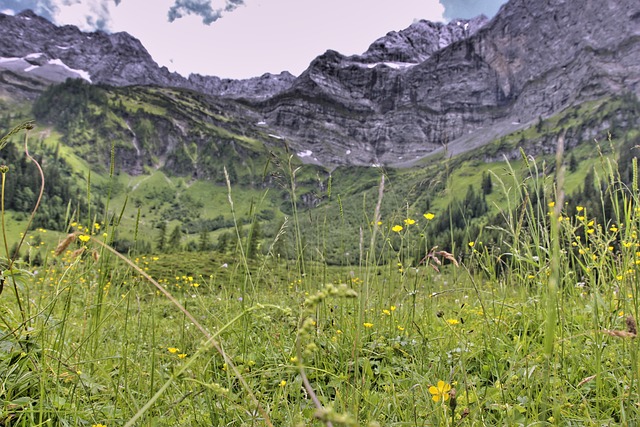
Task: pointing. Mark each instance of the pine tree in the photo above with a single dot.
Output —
(254, 240)
(175, 239)
(487, 185)
(203, 241)
(161, 243)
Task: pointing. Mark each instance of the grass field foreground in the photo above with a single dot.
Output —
(540, 329)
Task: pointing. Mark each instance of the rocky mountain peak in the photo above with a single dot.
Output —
(117, 59)
(462, 84)
(420, 40)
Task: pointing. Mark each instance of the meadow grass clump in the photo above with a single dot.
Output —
(533, 321)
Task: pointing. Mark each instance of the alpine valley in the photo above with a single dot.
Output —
(464, 95)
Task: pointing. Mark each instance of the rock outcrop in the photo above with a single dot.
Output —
(525, 63)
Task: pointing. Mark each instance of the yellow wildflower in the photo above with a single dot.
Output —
(440, 392)
(367, 325)
(173, 350)
(429, 216)
(409, 221)
(84, 238)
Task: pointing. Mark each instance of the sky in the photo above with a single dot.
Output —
(247, 38)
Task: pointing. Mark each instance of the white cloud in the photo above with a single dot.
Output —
(270, 35)
(87, 15)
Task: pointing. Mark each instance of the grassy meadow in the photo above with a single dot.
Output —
(530, 321)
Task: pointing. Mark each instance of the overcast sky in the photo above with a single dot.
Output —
(246, 38)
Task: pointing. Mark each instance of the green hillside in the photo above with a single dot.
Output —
(152, 161)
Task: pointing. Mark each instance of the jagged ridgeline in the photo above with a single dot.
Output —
(181, 132)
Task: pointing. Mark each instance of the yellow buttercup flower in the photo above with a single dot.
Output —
(397, 228)
(429, 216)
(409, 221)
(440, 392)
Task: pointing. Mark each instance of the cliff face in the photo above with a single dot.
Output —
(527, 62)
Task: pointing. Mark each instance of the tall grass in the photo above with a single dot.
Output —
(536, 327)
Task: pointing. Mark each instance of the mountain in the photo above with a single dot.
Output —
(413, 93)
(528, 62)
(35, 52)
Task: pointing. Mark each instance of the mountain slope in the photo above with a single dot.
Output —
(527, 62)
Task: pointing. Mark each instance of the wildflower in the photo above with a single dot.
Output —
(98, 425)
(84, 238)
(453, 321)
(472, 244)
(429, 216)
(392, 308)
(293, 359)
(172, 350)
(367, 325)
(397, 228)
(409, 221)
(551, 204)
(96, 226)
(613, 228)
(282, 383)
(580, 218)
(400, 328)
(386, 312)
(182, 355)
(579, 208)
(440, 392)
